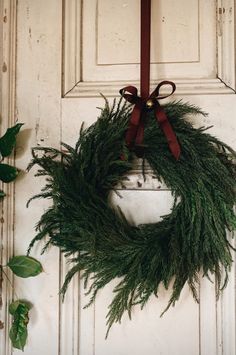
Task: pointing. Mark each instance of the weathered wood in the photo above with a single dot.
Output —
(53, 55)
(8, 119)
(38, 106)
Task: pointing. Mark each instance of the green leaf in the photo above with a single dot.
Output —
(18, 332)
(2, 194)
(8, 141)
(25, 266)
(18, 336)
(14, 306)
(8, 173)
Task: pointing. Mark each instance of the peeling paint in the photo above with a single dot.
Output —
(36, 129)
(27, 12)
(221, 10)
(1, 325)
(37, 125)
(4, 67)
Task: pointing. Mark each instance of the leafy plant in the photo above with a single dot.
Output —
(22, 266)
(18, 332)
(8, 173)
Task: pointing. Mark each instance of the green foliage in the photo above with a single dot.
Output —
(7, 173)
(103, 245)
(25, 266)
(22, 266)
(2, 194)
(18, 332)
(8, 141)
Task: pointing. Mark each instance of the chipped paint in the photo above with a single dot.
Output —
(27, 13)
(36, 129)
(4, 67)
(221, 10)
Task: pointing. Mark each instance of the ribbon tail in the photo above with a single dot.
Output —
(140, 133)
(169, 133)
(172, 140)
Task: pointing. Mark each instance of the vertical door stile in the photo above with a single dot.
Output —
(8, 9)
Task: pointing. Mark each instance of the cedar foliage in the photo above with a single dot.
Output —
(100, 242)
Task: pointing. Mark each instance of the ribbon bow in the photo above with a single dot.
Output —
(135, 133)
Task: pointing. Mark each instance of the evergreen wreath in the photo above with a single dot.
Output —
(103, 245)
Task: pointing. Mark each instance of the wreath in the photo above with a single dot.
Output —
(100, 241)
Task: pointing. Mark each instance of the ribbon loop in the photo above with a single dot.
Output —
(130, 93)
(156, 92)
(135, 132)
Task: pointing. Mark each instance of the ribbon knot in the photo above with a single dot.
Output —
(135, 132)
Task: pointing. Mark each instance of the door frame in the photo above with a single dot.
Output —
(8, 25)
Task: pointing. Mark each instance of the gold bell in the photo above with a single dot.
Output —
(149, 104)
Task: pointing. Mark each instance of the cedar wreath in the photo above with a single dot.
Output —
(99, 241)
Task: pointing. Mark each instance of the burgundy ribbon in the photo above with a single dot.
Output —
(135, 133)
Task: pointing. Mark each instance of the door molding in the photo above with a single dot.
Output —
(8, 11)
(74, 85)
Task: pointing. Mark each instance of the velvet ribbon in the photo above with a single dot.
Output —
(135, 133)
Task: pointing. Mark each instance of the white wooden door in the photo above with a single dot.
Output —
(67, 52)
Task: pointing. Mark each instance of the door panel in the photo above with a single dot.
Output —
(211, 324)
(54, 97)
